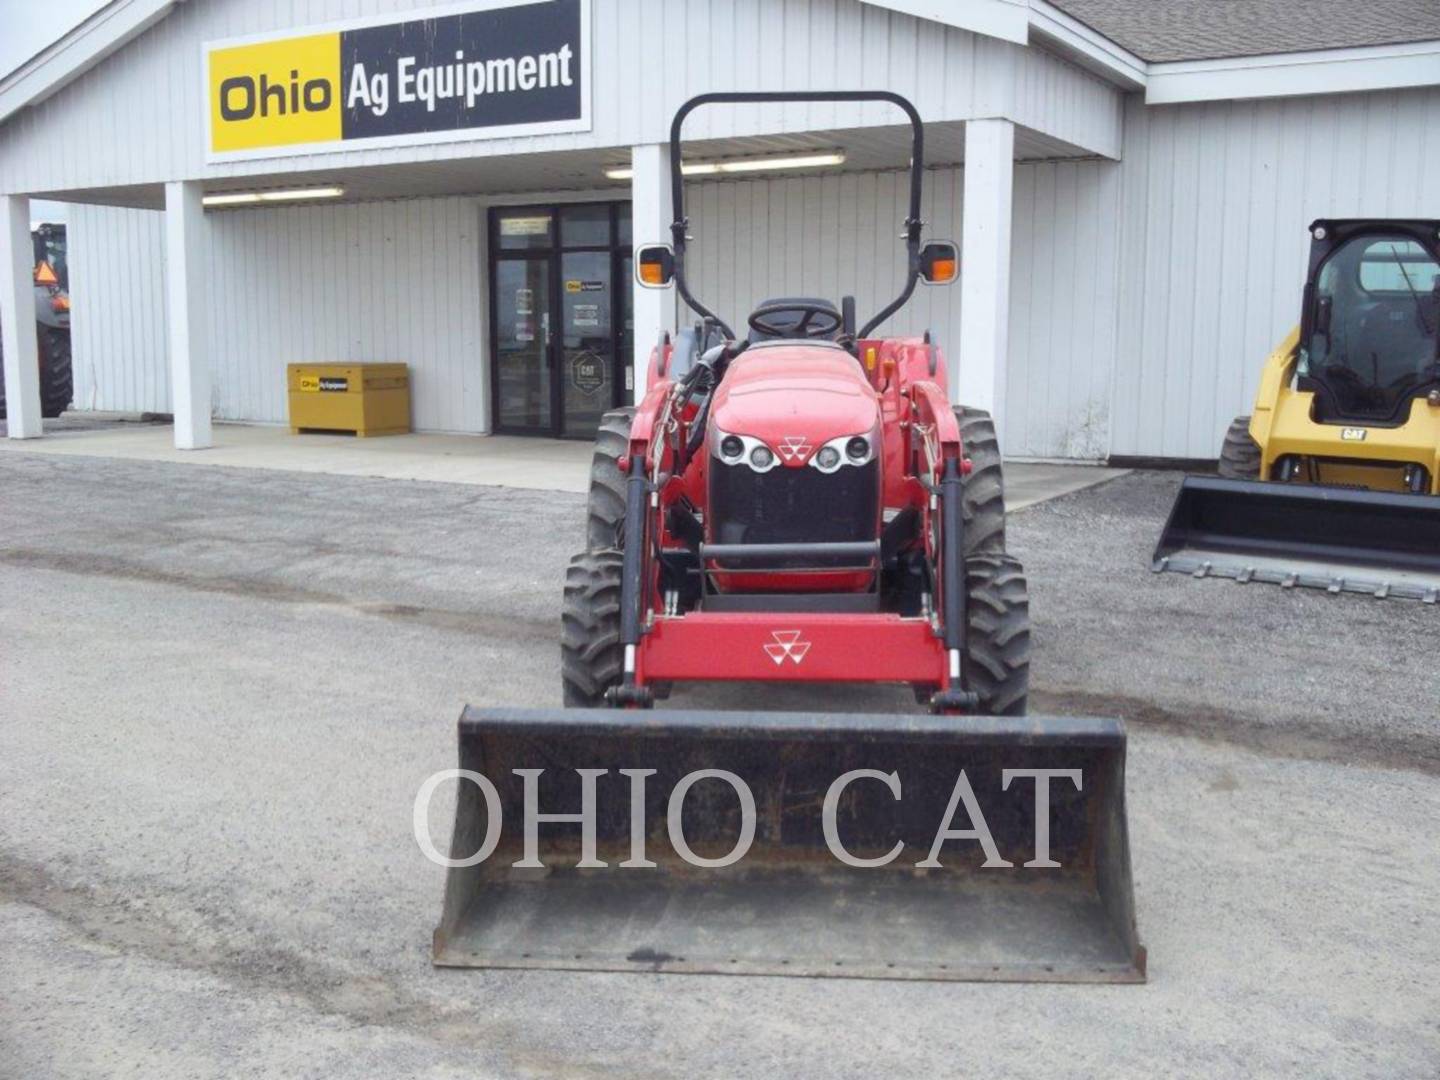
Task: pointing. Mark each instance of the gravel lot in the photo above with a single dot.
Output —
(220, 689)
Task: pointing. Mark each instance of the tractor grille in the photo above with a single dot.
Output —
(793, 505)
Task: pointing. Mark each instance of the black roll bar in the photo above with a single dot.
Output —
(913, 224)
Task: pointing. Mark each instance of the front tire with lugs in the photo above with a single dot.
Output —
(591, 657)
(983, 496)
(997, 633)
(1240, 453)
(605, 508)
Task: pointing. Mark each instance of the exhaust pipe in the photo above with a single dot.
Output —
(869, 846)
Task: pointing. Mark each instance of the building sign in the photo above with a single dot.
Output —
(474, 71)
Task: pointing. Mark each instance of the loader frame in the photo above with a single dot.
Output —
(925, 471)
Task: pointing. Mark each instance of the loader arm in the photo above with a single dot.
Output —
(1276, 378)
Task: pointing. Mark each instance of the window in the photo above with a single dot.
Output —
(1396, 266)
(524, 231)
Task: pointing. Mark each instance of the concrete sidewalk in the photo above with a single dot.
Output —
(488, 460)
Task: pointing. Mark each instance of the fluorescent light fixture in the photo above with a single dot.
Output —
(689, 168)
(233, 198)
(793, 161)
(744, 165)
(248, 198)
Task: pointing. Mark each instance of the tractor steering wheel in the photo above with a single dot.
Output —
(816, 321)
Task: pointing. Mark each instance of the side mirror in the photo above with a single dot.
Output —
(939, 263)
(655, 266)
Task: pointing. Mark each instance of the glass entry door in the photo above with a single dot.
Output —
(560, 303)
(522, 344)
(587, 345)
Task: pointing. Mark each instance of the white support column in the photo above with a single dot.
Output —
(651, 212)
(985, 266)
(17, 319)
(189, 364)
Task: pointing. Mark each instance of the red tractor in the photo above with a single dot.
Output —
(801, 504)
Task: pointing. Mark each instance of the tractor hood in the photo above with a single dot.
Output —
(795, 398)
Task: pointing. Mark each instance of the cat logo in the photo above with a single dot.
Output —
(1353, 434)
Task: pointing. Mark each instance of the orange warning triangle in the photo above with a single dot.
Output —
(45, 274)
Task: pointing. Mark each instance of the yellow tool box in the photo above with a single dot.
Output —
(368, 399)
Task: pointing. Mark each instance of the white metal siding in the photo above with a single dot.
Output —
(403, 280)
(820, 236)
(825, 236)
(138, 117)
(1216, 201)
(1063, 286)
(117, 324)
(382, 281)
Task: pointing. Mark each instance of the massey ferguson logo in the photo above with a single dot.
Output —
(794, 448)
(787, 643)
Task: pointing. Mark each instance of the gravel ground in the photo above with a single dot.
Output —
(220, 689)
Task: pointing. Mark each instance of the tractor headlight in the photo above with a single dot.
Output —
(846, 450)
(742, 450)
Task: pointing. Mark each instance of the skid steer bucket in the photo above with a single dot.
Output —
(1340, 539)
(790, 904)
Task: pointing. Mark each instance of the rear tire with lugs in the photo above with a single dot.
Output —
(57, 383)
(591, 657)
(997, 634)
(1240, 453)
(983, 496)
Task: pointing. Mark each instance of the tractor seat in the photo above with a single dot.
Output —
(786, 320)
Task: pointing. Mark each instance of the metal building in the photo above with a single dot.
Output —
(1130, 188)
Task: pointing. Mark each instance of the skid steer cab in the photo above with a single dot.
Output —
(794, 499)
(1332, 482)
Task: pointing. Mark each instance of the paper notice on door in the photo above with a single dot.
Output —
(585, 315)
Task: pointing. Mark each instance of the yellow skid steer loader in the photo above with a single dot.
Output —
(1334, 482)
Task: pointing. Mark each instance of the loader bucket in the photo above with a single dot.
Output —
(789, 905)
(1384, 544)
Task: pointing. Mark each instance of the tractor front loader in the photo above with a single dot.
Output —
(1334, 481)
(800, 503)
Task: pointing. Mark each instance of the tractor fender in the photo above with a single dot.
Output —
(653, 406)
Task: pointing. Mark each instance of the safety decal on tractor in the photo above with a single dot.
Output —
(506, 69)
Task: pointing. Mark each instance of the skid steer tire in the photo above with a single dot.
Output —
(983, 499)
(997, 610)
(57, 384)
(605, 509)
(591, 657)
(1240, 453)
